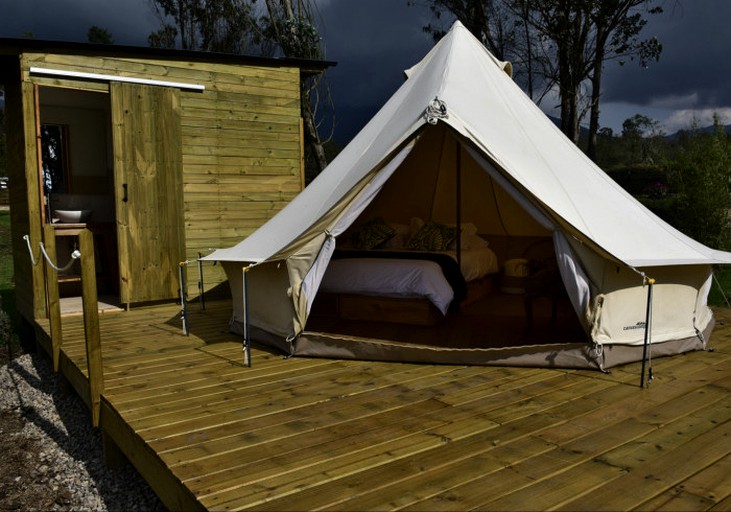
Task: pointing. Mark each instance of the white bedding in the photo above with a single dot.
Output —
(385, 277)
(476, 263)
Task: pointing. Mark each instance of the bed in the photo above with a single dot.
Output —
(398, 283)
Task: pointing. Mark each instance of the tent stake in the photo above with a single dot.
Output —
(647, 341)
(247, 339)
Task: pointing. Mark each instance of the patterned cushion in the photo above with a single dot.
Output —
(372, 234)
(432, 237)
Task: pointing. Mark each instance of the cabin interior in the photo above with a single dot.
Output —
(77, 182)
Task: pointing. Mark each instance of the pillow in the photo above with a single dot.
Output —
(468, 228)
(470, 242)
(372, 234)
(415, 225)
(400, 239)
(432, 237)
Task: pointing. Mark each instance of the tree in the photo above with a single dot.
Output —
(573, 39)
(700, 173)
(206, 25)
(3, 138)
(235, 26)
(500, 27)
(616, 36)
(292, 26)
(585, 34)
(99, 35)
(163, 38)
(642, 138)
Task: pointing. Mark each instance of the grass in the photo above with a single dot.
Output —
(6, 252)
(10, 321)
(721, 288)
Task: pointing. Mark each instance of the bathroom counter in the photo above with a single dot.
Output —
(74, 228)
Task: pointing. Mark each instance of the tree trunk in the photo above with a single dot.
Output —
(312, 137)
(596, 84)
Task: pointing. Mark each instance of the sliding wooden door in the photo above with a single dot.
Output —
(148, 190)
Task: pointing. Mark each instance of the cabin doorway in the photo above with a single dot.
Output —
(77, 183)
(111, 162)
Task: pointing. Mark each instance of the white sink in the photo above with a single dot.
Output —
(72, 215)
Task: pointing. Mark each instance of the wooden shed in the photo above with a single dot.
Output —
(162, 154)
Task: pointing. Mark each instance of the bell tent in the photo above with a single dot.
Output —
(461, 161)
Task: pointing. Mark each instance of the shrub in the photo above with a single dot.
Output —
(700, 173)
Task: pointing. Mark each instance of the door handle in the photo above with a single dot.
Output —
(124, 190)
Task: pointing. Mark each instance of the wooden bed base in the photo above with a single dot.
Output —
(410, 311)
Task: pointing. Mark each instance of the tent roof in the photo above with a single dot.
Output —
(489, 110)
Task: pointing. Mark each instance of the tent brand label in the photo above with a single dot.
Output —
(638, 325)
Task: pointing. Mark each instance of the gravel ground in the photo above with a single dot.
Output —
(50, 456)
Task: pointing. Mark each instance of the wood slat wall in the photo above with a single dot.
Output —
(241, 141)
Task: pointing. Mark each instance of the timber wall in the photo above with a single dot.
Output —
(241, 141)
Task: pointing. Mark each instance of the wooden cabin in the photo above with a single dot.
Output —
(162, 154)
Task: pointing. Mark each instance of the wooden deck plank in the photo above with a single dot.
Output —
(577, 487)
(660, 473)
(420, 478)
(700, 492)
(264, 399)
(280, 424)
(208, 432)
(460, 437)
(470, 496)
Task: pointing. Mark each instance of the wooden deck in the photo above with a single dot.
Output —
(303, 434)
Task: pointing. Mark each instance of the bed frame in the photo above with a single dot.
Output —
(409, 311)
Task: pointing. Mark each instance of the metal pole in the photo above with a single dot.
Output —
(247, 339)
(648, 328)
(183, 299)
(201, 293)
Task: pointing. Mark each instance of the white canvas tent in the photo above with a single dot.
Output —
(459, 112)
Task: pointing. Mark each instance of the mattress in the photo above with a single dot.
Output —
(385, 277)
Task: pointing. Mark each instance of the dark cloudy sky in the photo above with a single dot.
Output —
(373, 41)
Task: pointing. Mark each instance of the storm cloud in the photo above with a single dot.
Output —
(374, 41)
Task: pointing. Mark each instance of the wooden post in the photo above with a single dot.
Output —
(91, 324)
(52, 295)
